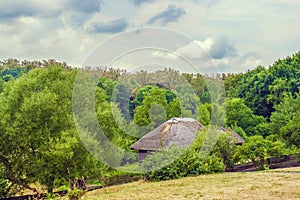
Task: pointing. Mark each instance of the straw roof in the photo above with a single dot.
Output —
(237, 138)
(178, 131)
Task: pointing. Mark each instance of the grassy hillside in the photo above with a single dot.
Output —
(273, 184)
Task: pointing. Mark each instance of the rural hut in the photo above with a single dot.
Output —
(177, 131)
(238, 140)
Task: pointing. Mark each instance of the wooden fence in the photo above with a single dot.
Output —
(273, 163)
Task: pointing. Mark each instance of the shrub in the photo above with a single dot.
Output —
(215, 143)
(258, 149)
(160, 166)
(225, 148)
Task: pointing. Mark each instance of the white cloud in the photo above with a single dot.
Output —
(193, 50)
(164, 55)
(215, 47)
(213, 52)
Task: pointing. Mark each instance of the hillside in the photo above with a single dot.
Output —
(273, 184)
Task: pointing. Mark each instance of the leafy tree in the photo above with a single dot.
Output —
(238, 114)
(225, 148)
(254, 150)
(199, 84)
(204, 114)
(114, 127)
(141, 93)
(263, 88)
(285, 120)
(150, 97)
(257, 150)
(122, 98)
(107, 85)
(37, 129)
(173, 109)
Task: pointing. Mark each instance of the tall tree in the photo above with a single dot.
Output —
(238, 114)
(285, 120)
(38, 141)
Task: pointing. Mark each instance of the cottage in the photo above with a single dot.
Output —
(177, 131)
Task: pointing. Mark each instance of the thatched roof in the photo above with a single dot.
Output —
(237, 138)
(178, 131)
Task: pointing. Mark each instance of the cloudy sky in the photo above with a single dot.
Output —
(237, 35)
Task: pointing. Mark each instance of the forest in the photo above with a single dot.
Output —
(42, 132)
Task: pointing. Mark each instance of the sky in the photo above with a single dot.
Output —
(206, 35)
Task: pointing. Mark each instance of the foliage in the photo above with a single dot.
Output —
(285, 120)
(175, 162)
(107, 85)
(263, 88)
(225, 149)
(204, 114)
(257, 150)
(238, 114)
(239, 131)
(162, 99)
(214, 142)
(38, 140)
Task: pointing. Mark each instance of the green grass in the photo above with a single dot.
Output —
(273, 184)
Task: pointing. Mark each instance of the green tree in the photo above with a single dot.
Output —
(152, 96)
(238, 114)
(254, 150)
(285, 120)
(225, 148)
(204, 114)
(37, 129)
(257, 150)
(263, 88)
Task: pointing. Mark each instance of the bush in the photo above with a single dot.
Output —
(258, 149)
(215, 143)
(225, 148)
(160, 166)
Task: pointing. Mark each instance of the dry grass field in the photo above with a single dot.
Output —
(273, 184)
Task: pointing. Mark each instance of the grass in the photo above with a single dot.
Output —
(273, 184)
